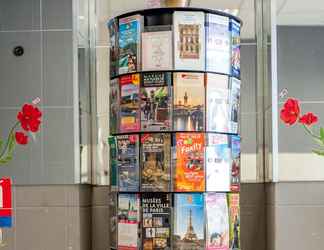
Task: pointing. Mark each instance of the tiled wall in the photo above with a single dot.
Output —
(45, 216)
(44, 29)
(50, 218)
(100, 218)
(295, 215)
(253, 217)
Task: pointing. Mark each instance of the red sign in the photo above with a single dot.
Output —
(5, 202)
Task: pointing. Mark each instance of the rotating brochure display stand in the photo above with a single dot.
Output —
(174, 116)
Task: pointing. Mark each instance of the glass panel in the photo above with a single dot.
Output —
(300, 33)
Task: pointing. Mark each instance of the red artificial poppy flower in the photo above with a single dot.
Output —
(308, 119)
(289, 114)
(29, 118)
(21, 138)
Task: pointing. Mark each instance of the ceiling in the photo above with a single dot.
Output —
(243, 8)
(289, 12)
(300, 12)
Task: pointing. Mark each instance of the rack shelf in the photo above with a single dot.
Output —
(175, 144)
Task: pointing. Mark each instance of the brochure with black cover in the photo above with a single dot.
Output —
(156, 220)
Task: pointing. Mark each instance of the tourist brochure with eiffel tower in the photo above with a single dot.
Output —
(189, 222)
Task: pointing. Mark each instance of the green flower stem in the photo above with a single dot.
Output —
(311, 133)
(4, 151)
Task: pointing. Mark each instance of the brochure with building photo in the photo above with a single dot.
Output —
(189, 40)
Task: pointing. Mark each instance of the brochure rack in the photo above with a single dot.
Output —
(174, 124)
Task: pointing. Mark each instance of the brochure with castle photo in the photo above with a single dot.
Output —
(188, 101)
